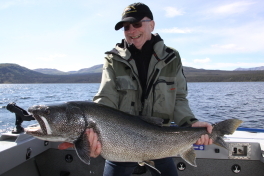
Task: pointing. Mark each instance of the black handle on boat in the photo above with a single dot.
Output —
(21, 115)
(12, 107)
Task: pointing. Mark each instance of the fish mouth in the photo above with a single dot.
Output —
(39, 130)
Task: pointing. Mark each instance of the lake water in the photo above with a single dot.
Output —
(211, 102)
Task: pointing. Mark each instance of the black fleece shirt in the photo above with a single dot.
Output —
(142, 58)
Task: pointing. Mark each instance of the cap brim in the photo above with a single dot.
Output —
(119, 25)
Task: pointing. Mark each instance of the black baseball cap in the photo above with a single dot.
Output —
(134, 13)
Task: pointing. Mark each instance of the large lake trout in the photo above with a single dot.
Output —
(124, 137)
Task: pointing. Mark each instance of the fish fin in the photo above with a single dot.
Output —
(82, 147)
(225, 127)
(220, 142)
(228, 126)
(149, 164)
(189, 156)
(153, 120)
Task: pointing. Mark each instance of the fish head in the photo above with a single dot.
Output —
(60, 122)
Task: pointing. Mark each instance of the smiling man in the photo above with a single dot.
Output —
(142, 76)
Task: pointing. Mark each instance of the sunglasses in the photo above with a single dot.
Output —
(135, 25)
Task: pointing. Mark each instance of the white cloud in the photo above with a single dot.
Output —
(227, 46)
(236, 7)
(172, 12)
(230, 46)
(245, 38)
(202, 60)
(175, 30)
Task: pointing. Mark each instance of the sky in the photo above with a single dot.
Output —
(69, 35)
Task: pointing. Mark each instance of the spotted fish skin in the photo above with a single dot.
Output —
(124, 137)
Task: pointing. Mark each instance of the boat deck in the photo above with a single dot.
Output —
(26, 155)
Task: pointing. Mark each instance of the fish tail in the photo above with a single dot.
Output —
(224, 128)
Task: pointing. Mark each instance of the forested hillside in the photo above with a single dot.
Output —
(13, 73)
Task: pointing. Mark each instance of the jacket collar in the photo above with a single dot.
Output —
(123, 48)
(161, 51)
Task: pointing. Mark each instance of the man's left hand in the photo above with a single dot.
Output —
(204, 139)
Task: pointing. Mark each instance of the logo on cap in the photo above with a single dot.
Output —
(129, 9)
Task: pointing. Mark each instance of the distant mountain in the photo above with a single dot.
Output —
(13, 73)
(49, 71)
(93, 69)
(250, 69)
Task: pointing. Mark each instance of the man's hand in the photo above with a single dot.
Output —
(204, 139)
(95, 145)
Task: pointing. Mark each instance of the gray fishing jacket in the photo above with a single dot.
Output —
(166, 86)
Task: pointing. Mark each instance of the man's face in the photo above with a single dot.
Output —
(138, 36)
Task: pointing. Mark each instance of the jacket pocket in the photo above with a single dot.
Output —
(127, 90)
(164, 97)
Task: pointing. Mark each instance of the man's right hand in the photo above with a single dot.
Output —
(95, 145)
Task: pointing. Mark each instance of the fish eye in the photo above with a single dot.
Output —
(47, 111)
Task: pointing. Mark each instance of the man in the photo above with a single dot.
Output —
(142, 76)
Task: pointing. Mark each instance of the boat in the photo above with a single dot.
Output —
(25, 155)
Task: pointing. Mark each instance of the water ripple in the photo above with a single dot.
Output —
(210, 102)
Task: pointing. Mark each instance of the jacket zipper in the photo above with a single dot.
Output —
(151, 82)
(168, 58)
